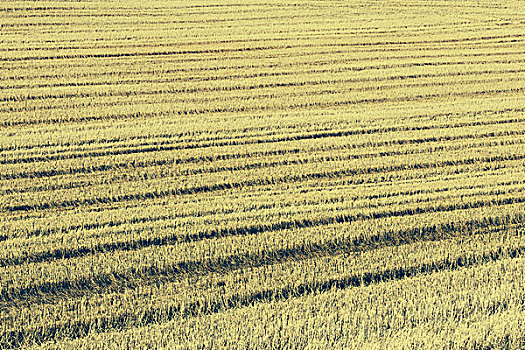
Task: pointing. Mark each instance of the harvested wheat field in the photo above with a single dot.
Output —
(286, 174)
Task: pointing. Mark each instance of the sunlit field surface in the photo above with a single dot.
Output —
(286, 174)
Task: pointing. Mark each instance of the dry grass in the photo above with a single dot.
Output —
(261, 175)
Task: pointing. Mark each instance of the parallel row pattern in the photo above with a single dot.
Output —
(249, 174)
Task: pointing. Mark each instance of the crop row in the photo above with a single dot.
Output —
(177, 298)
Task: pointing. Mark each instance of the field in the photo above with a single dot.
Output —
(286, 174)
